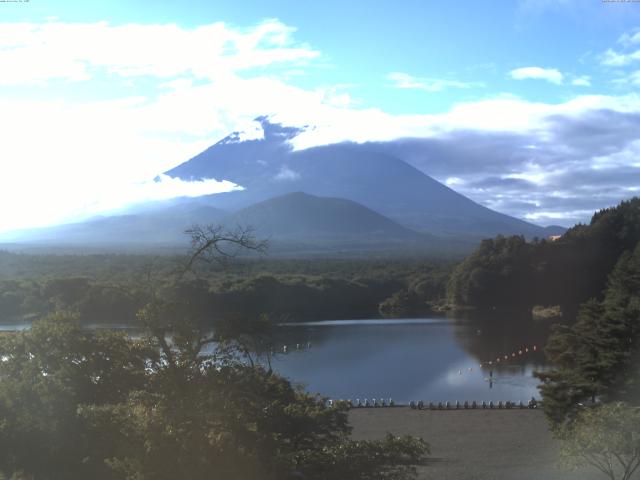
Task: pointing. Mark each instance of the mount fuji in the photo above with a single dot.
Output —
(268, 166)
(343, 197)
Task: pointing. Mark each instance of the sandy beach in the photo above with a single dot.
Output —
(474, 444)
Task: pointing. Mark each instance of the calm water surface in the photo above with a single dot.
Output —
(431, 359)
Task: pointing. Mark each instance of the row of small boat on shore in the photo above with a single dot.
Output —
(420, 405)
(472, 405)
(366, 403)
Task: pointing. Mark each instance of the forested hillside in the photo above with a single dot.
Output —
(597, 357)
(513, 273)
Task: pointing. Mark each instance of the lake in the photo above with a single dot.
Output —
(429, 359)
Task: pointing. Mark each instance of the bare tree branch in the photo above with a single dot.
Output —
(215, 243)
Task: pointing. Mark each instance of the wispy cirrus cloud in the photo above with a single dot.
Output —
(427, 84)
(626, 54)
(551, 75)
(624, 61)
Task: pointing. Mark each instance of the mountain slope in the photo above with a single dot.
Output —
(267, 168)
(157, 226)
(300, 224)
(296, 224)
(299, 215)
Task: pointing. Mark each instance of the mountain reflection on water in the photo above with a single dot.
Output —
(434, 359)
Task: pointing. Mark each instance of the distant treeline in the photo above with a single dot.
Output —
(112, 288)
(509, 272)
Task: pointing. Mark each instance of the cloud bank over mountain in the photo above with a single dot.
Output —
(95, 109)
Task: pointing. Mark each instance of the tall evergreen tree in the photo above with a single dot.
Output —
(596, 357)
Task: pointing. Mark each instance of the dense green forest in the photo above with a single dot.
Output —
(509, 272)
(177, 400)
(112, 288)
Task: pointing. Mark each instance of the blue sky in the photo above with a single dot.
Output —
(99, 97)
(361, 42)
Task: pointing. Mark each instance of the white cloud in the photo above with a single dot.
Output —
(43, 200)
(533, 174)
(97, 155)
(632, 79)
(611, 58)
(583, 81)
(628, 39)
(406, 81)
(286, 174)
(162, 188)
(454, 181)
(501, 114)
(551, 217)
(35, 53)
(537, 73)
(67, 156)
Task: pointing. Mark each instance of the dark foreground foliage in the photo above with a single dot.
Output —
(178, 402)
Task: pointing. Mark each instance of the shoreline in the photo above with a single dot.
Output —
(481, 444)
